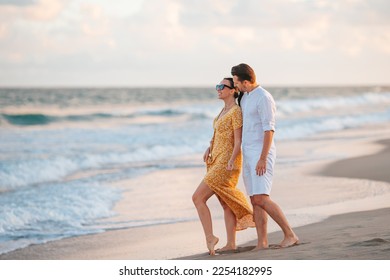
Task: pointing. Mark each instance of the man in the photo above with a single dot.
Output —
(259, 153)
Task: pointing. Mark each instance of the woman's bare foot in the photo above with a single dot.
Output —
(211, 242)
(259, 248)
(226, 249)
(289, 241)
(261, 245)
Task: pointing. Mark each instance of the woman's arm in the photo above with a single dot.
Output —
(206, 154)
(236, 149)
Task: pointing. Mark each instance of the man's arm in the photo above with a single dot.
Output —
(261, 166)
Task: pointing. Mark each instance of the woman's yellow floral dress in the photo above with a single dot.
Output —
(222, 181)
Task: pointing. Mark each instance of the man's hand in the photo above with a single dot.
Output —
(261, 167)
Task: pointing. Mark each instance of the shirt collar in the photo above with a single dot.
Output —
(250, 92)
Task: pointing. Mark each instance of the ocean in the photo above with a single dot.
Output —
(61, 149)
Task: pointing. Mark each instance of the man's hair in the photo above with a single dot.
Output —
(244, 72)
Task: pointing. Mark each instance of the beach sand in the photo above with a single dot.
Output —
(318, 190)
(363, 235)
(372, 167)
(354, 236)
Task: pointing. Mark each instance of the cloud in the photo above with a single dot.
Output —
(189, 38)
(17, 2)
(40, 10)
(45, 10)
(94, 22)
(3, 30)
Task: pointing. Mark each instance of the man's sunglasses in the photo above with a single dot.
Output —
(222, 86)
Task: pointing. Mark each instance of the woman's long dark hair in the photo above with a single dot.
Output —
(237, 94)
(240, 94)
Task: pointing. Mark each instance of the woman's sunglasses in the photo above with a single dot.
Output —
(222, 86)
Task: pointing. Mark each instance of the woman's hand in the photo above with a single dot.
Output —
(206, 154)
(230, 165)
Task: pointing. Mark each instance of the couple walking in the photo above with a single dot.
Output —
(252, 125)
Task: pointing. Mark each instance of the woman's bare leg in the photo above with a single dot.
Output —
(200, 197)
(230, 225)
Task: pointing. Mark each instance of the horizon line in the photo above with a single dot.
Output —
(191, 86)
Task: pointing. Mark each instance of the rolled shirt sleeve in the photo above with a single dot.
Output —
(266, 109)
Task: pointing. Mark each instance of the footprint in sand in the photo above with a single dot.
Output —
(371, 242)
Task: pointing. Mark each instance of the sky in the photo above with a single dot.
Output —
(119, 43)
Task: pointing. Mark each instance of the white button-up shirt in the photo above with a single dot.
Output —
(258, 110)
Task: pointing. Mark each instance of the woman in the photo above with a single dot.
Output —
(223, 159)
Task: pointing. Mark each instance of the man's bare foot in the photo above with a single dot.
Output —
(289, 241)
(211, 242)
